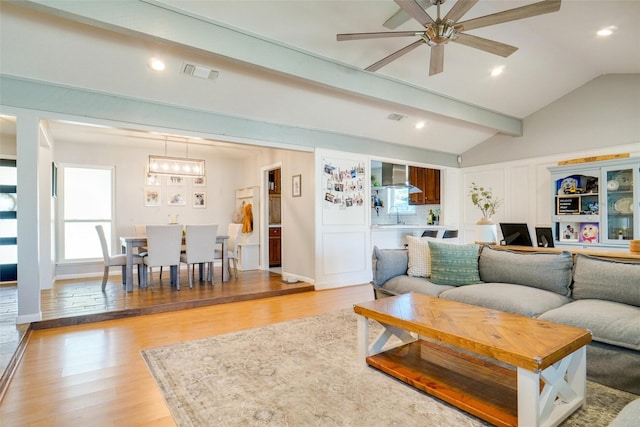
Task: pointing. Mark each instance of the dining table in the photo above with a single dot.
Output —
(128, 243)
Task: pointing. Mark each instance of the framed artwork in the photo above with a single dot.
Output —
(569, 231)
(296, 185)
(151, 179)
(176, 198)
(151, 197)
(199, 200)
(200, 182)
(175, 180)
(589, 232)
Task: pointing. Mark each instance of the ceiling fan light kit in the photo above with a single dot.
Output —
(439, 32)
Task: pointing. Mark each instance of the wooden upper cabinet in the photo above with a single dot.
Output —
(428, 180)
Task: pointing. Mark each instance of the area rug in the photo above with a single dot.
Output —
(306, 373)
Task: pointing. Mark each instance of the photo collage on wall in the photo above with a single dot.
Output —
(176, 191)
(342, 184)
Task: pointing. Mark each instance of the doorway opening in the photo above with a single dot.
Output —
(274, 211)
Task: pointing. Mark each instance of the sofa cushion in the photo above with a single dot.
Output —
(388, 263)
(419, 257)
(454, 264)
(518, 299)
(597, 278)
(405, 284)
(609, 322)
(551, 272)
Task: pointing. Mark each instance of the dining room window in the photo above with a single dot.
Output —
(87, 201)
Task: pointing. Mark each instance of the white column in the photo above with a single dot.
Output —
(27, 141)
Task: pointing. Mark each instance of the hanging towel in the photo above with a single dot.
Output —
(247, 220)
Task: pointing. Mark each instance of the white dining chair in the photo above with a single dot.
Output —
(200, 249)
(164, 244)
(114, 260)
(232, 248)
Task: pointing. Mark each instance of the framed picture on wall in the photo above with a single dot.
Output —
(199, 200)
(151, 197)
(296, 186)
(151, 179)
(176, 198)
(200, 181)
(175, 180)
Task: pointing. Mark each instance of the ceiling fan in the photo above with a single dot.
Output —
(437, 33)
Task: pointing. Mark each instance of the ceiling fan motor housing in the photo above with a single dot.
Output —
(439, 33)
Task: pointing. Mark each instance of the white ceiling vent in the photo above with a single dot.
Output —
(396, 117)
(199, 71)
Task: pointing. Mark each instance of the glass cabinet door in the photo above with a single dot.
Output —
(618, 213)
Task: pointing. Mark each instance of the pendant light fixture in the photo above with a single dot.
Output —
(178, 166)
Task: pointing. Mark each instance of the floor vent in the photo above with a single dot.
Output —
(199, 71)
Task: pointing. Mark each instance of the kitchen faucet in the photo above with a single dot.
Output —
(397, 214)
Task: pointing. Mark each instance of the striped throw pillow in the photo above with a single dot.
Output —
(454, 265)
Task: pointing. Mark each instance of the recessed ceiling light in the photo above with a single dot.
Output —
(419, 125)
(497, 71)
(156, 64)
(607, 31)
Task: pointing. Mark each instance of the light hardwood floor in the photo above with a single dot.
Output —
(93, 374)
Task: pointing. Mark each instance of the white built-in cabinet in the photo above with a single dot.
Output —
(596, 204)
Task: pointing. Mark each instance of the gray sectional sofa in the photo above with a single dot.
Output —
(598, 294)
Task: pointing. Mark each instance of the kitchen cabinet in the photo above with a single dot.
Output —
(428, 180)
(596, 204)
(275, 246)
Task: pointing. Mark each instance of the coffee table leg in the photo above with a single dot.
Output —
(363, 338)
(560, 397)
(379, 343)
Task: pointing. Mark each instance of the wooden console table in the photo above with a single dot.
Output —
(459, 353)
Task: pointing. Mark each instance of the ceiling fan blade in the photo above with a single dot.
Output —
(394, 56)
(487, 45)
(416, 11)
(534, 9)
(400, 17)
(459, 9)
(379, 35)
(436, 62)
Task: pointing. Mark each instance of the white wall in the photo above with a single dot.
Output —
(601, 114)
(298, 232)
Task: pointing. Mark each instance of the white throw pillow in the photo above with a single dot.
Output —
(419, 256)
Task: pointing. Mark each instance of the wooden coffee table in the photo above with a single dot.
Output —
(465, 355)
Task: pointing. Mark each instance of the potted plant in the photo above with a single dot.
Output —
(483, 199)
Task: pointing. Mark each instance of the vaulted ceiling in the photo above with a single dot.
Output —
(279, 62)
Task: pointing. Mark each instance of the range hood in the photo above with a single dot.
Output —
(397, 176)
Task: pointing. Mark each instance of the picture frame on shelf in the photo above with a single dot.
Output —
(569, 232)
(199, 200)
(151, 197)
(589, 232)
(544, 237)
(296, 186)
(568, 205)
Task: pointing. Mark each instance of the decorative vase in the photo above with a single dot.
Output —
(486, 232)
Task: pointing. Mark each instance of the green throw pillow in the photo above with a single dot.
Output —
(454, 265)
